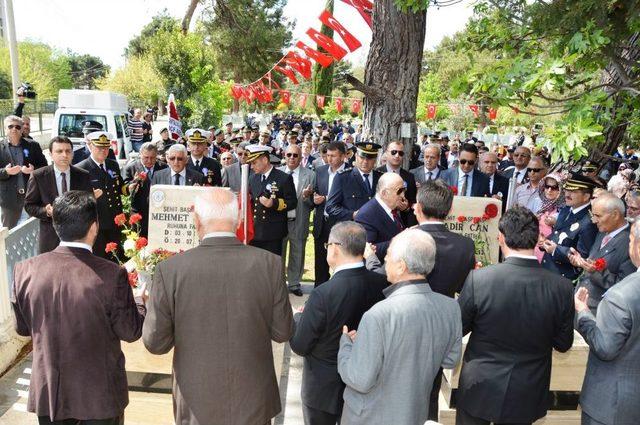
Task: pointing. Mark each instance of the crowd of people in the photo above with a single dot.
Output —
(382, 319)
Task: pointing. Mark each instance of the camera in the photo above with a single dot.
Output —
(27, 91)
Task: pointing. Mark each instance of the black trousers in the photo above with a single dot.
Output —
(320, 255)
(274, 246)
(44, 420)
(463, 418)
(433, 399)
(313, 416)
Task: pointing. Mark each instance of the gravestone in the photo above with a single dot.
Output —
(477, 218)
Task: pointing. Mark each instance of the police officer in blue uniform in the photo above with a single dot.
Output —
(573, 229)
(354, 187)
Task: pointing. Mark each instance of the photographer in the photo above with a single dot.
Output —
(24, 91)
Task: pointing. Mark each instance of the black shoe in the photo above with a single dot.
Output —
(297, 292)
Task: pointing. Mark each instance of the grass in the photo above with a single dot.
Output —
(309, 256)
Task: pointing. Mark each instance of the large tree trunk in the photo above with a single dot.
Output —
(323, 77)
(392, 73)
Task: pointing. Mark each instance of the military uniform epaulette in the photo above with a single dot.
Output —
(345, 170)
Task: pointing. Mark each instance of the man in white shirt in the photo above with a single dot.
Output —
(521, 158)
(178, 174)
(528, 193)
(430, 169)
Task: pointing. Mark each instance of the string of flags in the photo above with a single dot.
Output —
(456, 108)
(297, 63)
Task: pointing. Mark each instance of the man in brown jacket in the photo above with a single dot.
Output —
(220, 305)
(77, 308)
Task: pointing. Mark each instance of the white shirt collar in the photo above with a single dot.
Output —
(384, 206)
(96, 162)
(618, 230)
(577, 210)
(183, 173)
(266, 175)
(58, 172)
(370, 173)
(430, 222)
(462, 173)
(76, 245)
(194, 159)
(391, 170)
(295, 170)
(340, 168)
(526, 257)
(348, 266)
(219, 235)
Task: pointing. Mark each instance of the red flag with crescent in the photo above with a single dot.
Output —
(285, 96)
(475, 109)
(493, 113)
(431, 111)
(338, 103)
(302, 100)
(320, 101)
(356, 106)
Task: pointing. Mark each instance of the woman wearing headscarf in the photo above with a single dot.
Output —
(552, 197)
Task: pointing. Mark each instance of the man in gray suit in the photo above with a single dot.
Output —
(390, 364)
(220, 305)
(611, 244)
(304, 180)
(612, 380)
(177, 174)
(430, 170)
(232, 175)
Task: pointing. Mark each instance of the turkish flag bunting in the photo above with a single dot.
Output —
(288, 72)
(431, 111)
(236, 91)
(285, 96)
(338, 102)
(364, 7)
(493, 113)
(356, 106)
(299, 63)
(350, 41)
(475, 110)
(333, 48)
(322, 59)
(302, 100)
(320, 101)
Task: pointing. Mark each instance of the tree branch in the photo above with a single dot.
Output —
(371, 92)
(187, 16)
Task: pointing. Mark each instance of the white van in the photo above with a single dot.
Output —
(109, 109)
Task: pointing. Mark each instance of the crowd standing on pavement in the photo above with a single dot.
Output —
(394, 290)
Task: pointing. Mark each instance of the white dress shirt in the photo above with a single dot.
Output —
(183, 177)
(67, 177)
(219, 235)
(370, 177)
(76, 245)
(434, 173)
(392, 170)
(521, 174)
(348, 266)
(461, 175)
(385, 207)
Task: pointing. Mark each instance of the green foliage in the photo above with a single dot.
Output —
(431, 91)
(209, 104)
(86, 69)
(138, 80)
(5, 85)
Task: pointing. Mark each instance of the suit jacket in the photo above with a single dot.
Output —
(479, 182)
(508, 174)
(389, 373)
(299, 228)
(349, 194)
(111, 184)
(164, 177)
(611, 385)
(379, 226)
(321, 188)
(41, 191)
(210, 169)
(233, 175)
(78, 366)
(317, 163)
(571, 231)
(272, 223)
(418, 174)
(83, 153)
(517, 313)
(500, 185)
(32, 155)
(342, 300)
(227, 372)
(310, 162)
(619, 266)
(408, 217)
(140, 197)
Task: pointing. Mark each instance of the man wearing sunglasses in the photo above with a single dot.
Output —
(232, 174)
(18, 159)
(521, 157)
(178, 174)
(528, 193)
(355, 186)
(467, 180)
(395, 157)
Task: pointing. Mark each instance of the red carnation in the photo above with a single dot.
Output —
(485, 217)
(476, 220)
(461, 219)
(133, 279)
(479, 265)
(111, 247)
(120, 219)
(491, 210)
(142, 176)
(141, 243)
(134, 218)
(600, 265)
(454, 190)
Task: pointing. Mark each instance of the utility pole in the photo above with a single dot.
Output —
(10, 31)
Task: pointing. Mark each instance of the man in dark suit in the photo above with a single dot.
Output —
(380, 216)
(498, 185)
(208, 167)
(354, 187)
(573, 228)
(395, 155)
(18, 159)
(325, 176)
(177, 174)
(47, 183)
(84, 152)
(467, 180)
(518, 312)
(351, 291)
(106, 179)
(78, 367)
(521, 157)
(138, 175)
(273, 193)
(307, 158)
(611, 244)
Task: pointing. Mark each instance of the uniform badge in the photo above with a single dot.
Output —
(111, 173)
(25, 152)
(574, 227)
(562, 237)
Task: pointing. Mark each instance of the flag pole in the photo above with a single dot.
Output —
(244, 194)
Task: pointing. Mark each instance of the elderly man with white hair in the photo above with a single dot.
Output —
(390, 363)
(178, 174)
(221, 320)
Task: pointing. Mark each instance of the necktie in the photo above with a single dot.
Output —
(463, 192)
(149, 172)
(605, 241)
(396, 219)
(64, 183)
(103, 169)
(517, 176)
(290, 172)
(429, 175)
(367, 184)
(263, 178)
(198, 163)
(176, 180)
